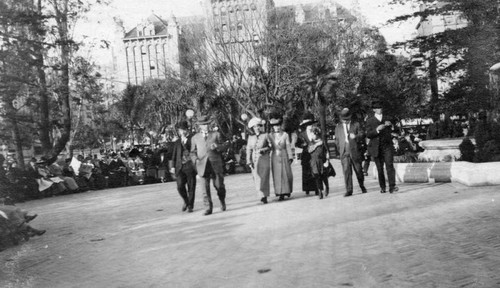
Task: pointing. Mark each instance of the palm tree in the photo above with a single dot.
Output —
(320, 82)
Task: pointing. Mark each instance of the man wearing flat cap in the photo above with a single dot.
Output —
(379, 130)
(206, 154)
(181, 165)
(348, 136)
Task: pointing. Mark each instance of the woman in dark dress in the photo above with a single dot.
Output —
(318, 152)
(303, 141)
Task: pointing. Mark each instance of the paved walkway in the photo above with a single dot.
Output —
(427, 235)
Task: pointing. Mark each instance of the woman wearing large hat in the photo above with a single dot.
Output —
(281, 158)
(258, 148)
(303, 141)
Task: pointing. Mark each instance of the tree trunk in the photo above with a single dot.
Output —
(62, 25)
(433, 79)
(44, 125)
(17, 140)
(69, 149)
(322, 115)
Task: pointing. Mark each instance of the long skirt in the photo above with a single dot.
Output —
(308, 182)
(261, 175)
(282, 174)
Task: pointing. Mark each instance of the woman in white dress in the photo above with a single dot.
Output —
(281, 158)
(258, 148)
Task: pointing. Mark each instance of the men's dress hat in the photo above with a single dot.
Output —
(345, 114)
(275, 121)
(203, 120)
(183, 125)
(376, 104)
(254, 121)
(308, 120)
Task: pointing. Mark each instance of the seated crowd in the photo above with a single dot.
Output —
(80, 173)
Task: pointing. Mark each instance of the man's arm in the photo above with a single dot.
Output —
(371, 128)
(194, 151)
(359, 133)
(337, 135)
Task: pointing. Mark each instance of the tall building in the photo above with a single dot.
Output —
(228, 33)
(153, 48)
(234, 28)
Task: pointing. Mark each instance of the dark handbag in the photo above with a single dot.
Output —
(330, 172)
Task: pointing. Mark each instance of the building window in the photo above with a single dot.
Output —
(216, 11)
(140, 33)
(223, 11)
(253, 6)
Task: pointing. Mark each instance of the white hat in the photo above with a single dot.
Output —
(254, 121)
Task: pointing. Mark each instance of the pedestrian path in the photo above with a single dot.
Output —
(427, 235)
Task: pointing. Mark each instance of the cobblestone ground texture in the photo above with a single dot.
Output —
(427, 235)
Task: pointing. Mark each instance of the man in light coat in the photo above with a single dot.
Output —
(206, 154)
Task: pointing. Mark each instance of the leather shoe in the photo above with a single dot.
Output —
(282, 197)
(207, 212)
(363, 190)
(263, 200)
(393, 189)
(28, 218)
(223, 206)
(348, 194)
(382, 191)
(190, 209)
(184, 207)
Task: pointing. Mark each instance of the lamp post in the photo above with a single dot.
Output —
(189, 115)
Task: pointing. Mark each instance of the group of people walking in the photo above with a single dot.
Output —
(269, 155)
(350, 136)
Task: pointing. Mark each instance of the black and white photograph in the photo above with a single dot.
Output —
(249, 143)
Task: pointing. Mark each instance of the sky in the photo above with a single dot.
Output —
(377, 12)
(100, 23)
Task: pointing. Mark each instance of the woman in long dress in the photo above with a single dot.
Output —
(258, 148)
(281, 158)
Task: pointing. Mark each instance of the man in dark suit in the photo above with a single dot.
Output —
(378, 130)
(161, 163)
(206, 153)
(182, 167)
(348, 137)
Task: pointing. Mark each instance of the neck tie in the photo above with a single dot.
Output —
(346, 132)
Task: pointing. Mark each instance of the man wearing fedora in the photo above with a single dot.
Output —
(303, 141)
(380, 147)
(182, 167)
(348, 136)
(206, 154)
